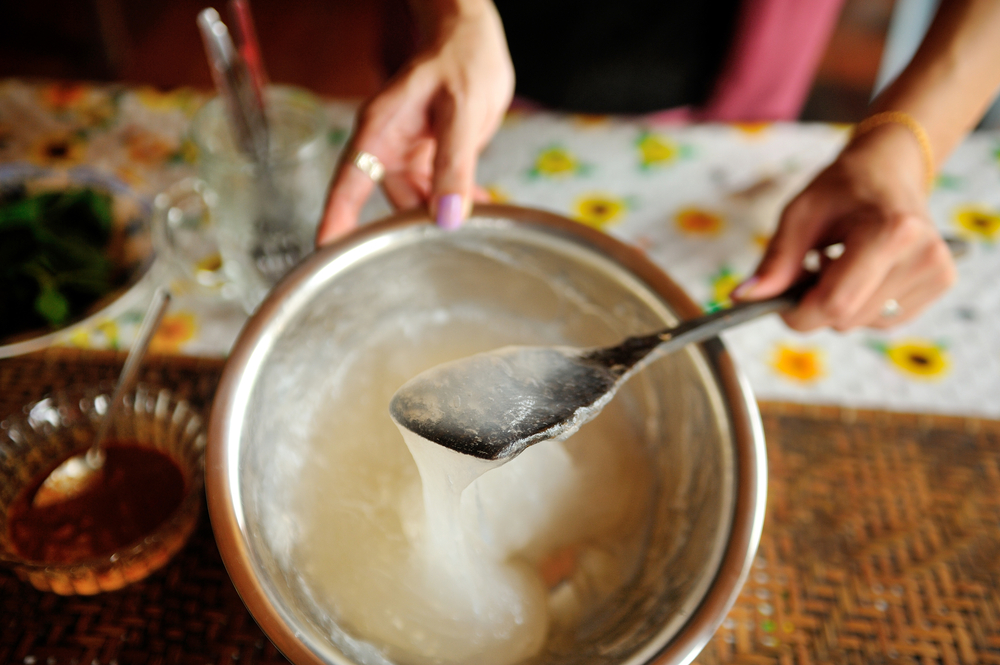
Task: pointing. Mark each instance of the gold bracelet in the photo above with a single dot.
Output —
(908, 121)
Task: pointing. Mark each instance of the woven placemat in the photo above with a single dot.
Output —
(882, 543)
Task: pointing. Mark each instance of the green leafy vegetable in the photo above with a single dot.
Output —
(53, 256)
(52, 305)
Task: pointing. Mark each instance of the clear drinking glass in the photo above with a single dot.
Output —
(239, 226)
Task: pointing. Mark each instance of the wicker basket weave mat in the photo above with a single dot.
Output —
(882, 543)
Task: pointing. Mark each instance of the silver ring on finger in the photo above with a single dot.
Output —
(369, 164)
(891, 308)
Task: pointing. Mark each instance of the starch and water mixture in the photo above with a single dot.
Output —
(436, 557)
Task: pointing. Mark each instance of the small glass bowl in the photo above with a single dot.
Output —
(35, 440)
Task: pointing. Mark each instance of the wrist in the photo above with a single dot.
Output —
(434, 18)
(901, 119)
(889, 152)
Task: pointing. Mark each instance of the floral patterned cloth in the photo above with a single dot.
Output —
(701, 200)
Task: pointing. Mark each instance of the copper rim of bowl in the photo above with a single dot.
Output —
(169, 537)
(748, 435)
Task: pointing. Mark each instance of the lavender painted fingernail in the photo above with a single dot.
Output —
(744, 289)
(449, 213)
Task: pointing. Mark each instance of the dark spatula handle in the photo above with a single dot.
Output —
(626, 355)
(623, 357)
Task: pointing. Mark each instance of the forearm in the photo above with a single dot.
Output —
(873, 198)
(433, 17)
(953, 76)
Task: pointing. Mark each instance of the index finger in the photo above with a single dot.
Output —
(350, 189)
(871, 250)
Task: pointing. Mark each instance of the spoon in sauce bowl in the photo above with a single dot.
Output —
(493, 405)
(79, 473)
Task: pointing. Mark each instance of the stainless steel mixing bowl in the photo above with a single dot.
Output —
(695, 415)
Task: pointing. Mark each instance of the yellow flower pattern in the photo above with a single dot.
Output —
(723, 283)
(978, 222)
(176, 329)
(557, 162)
(146, 147)
(185, 100)
(514, 116)
(129, 175)
(656, 150)
(589, 120)
(60, 149)
(188, 151)
(79, 102)
(79, 338)
(699, 222)
(497, 194)
(62, 96)
(751, 129)
(210, 263)
(155, 100)
(918, 358)
(105, 333)
(802, 364)
(600, 210)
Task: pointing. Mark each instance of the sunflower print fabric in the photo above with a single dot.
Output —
(699, 201)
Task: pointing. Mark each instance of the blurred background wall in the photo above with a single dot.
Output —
(339, 48)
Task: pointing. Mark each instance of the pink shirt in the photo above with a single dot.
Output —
(776, 49)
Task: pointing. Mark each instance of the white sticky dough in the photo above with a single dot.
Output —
(417, 552)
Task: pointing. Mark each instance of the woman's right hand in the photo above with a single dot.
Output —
(872, 200)
(431, 121)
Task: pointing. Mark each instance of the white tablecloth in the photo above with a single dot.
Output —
(700, 200)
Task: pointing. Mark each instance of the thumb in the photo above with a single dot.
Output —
(798, 232)
(454, 163)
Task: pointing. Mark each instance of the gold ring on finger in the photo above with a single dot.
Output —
(369, 164)
(891, 308)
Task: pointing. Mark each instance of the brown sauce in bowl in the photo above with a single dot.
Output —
(141, 487)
